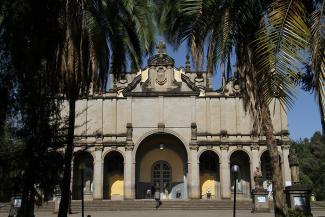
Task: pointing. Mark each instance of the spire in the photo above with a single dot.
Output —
(187, 63)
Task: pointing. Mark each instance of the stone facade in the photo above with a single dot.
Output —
(164, 127)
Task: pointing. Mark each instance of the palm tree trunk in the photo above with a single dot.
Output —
(28, 200)
(65, 186)
(277, 178)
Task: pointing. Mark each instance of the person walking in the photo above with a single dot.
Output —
(157, 198)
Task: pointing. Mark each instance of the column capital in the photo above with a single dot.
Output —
(224, 147)
(194, 146)
(285, 146)
(129, 146)
(255, 146)
(240, 146)
(99, 148)
(223, 135)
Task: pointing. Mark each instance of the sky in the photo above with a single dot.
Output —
(303, 118)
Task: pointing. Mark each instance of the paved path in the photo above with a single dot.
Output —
(168, 213)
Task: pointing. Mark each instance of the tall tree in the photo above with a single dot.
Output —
(98, 33)
(30, 38)
(260, 33)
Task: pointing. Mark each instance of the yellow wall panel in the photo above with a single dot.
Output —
(167, 155)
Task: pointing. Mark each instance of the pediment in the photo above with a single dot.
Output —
(161, 60)
(145, 84)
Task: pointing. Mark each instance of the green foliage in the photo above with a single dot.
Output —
(311, 155)
(297, 213)
(11, 150)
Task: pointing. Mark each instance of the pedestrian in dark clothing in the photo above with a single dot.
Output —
(157, 198)
(152, 191)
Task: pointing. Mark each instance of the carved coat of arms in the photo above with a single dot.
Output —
(161, 76)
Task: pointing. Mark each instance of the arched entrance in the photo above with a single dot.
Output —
(266, 166)
(161, 163)
(266, 169)
(243, 182)
(161, 175)
(113, 183)
(209, 175)
(82, 161)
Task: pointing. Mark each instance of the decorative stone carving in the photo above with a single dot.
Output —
(193, 131)
(87, 186)
(187, 63)
(239, 146)
(199, 78)
(129, 131)
(223, 135)
(255, 147)
(294, 165)
(161, 127)
(224, 147)
(99, 148)
(285, 146)
(161, 59)
(194, 146)
(129, 147)
(123, 79)
(161, 76)
(258, 178)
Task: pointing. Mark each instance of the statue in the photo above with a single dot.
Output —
(294, 166)
(193, 131)
(258, 178)
(87, 186)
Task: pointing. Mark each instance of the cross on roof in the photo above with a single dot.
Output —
(161, 47)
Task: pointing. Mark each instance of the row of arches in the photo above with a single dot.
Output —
(210, 173)
(113, 175)
(161, 171)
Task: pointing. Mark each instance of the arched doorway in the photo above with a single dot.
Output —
(243, 182)
(161, 175)
(82, 161)
(161, 163)
(266, 169)
(113, 183)
(266, 166)
(209, 175)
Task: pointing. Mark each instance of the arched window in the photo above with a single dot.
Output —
(161, 175)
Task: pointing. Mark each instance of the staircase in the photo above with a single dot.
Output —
(133, 205)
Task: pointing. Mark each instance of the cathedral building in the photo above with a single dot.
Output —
(165, 127)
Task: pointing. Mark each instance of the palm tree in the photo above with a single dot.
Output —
(260, 34)
(315, 77)
(98, 33)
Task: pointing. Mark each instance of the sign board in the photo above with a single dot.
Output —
(299, 201)
(261, 199)
(17, 202)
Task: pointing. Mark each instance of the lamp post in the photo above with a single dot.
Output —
(235, 170)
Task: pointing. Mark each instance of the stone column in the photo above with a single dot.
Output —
(255, 162)
(285, 165)
(98, 174)
(225, 172)
(194, 173)
(129, 172)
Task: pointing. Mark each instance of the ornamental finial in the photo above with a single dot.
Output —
(161, 47)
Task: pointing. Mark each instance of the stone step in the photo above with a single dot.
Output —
(128, 205)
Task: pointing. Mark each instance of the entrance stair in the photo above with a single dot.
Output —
(133, 205)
